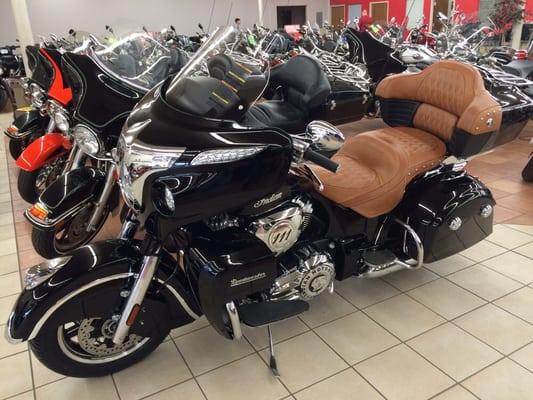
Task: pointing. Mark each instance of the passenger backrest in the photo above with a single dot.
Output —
(304, 83)
(447, 99)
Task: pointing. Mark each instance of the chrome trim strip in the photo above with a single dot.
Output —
(50, 223)
(180, 299)
(7, 331)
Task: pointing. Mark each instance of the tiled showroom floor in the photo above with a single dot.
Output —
(459, 329)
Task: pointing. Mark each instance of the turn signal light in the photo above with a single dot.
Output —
(12, 130)
(38, 211)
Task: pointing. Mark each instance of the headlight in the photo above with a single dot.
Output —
(87, 140)
(61, 121)
(225, 155)
(136, 163)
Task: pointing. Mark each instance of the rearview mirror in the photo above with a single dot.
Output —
(324, 136)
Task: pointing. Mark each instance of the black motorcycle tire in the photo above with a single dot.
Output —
(15, 148)
(26, 184)
(527, 172)
(44, 240)
(3, 99)
(50, 347)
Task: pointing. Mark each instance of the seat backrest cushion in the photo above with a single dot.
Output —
(305, 85)
(452, 95)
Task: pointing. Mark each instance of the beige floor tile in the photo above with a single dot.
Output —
(526, 250)
(8, 246)
(456, 393)
(346, 385)
(161, 369)
(454, 351)
(497, 328)
(484, 282)
(241, 378)
(79, 389)
(6, 218)
(401, 374)
(365, 292)
(9, 263)
(513, 265)
(503, 380)
(6, 305)
(450, 264)
(7, 231)
(205, 350)
(280, 331)
(9, 284)
(403, 316)
(24, 396)
(445, 298)
(356, 337)
(184, 391)
(524, 357)
(200, 323)
(406, 280)
(508, 237)
(304, 360)
(483, 250)
(519, 303)
(8, 349)
(522, 228)
(326, 308)
(15, 377)
(41, 374)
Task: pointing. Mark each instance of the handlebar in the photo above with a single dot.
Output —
(321, 160)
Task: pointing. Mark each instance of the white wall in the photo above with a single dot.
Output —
(8, 32)
(58, 16)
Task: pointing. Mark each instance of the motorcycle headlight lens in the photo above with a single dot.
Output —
(87, 140)
(61, 121)
(225, 155)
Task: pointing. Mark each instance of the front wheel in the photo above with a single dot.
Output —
(31, 184)
(3, 99)
(527, 172)
(67, 235)
(74, 344)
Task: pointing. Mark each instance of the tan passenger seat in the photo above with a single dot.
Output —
(376, 166)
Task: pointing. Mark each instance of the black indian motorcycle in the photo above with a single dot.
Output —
(241, 229)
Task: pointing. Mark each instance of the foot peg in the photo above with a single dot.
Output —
(273, 364)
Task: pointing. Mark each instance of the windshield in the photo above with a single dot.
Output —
(137, 60)
(221, 79)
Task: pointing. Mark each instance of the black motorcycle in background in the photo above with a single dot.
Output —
(106, 84)
(11, 66)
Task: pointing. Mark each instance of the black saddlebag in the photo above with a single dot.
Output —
(449, 211)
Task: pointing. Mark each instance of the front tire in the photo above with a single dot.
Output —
(31, 184)
(68, 235)
(79, 345)
(3, 99)
(527, 172)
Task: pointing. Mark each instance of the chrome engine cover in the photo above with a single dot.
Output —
(314, 274)
(281, 230)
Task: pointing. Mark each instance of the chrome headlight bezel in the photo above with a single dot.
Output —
(136, 162)
(87, 140)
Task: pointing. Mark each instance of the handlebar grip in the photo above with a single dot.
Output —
(321, 160)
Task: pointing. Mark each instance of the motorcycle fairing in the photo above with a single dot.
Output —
(114, 261)
(42, 71)
(41, 149)
(58, 89)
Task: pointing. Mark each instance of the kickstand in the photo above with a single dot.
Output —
(273, 364)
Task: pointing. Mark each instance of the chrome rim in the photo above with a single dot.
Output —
(89, 341)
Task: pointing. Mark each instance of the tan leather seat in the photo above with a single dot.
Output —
(376, 166)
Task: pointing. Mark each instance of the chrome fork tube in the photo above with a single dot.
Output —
(135, 299)
(129, 228)
(102, 200)
(51, 125)
(74, 159)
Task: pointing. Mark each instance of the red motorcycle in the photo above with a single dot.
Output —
(43, 160)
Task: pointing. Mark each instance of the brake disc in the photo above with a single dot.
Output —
(98, 342)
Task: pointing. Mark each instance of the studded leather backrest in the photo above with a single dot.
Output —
(452, 95)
